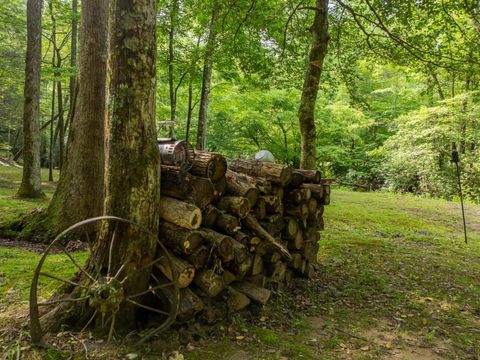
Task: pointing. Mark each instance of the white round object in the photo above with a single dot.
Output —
(264, 155)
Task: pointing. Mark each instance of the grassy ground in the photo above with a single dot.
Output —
(10, 206)
(396, 282)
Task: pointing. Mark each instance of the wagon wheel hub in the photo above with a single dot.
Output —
(106, 295)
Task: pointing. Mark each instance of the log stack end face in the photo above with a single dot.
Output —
(240, 230)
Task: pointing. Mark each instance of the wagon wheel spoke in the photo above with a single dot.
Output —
(58, 278)
(92, 254)
(157, 330)
(90, 321)
(75, 262)
(153, 262)
(120, 270)
(110, 250)
(51, 302)
(152, 289)
(161, 312)
(112, 327)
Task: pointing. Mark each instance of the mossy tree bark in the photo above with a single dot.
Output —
(31, 183)
(132, 177)
(306, 112)
(80, 192)
(133, 160)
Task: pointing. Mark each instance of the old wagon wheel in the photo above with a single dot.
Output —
(103, 293)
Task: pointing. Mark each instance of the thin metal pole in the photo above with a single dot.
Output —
(461, 202)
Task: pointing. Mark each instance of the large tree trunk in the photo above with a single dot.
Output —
(206, 80)
(133, 161)
(31, 183)
(306, 112)
(80, 192)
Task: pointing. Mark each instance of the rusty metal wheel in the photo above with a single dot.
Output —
(69, 258)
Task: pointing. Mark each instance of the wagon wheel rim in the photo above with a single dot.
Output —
(96, 279)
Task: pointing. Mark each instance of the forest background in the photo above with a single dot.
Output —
(399, 85)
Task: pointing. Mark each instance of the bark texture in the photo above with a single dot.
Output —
(133, 160)
(80, 192)
(31, 183)
(306, 112)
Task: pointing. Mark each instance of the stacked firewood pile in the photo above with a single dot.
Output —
(235, 231)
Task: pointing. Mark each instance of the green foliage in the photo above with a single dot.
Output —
(391, 68)
(418, 155)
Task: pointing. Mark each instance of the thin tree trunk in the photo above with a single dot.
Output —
(463, 122)
(31, 183)
(206, 81)
(171, 58)
(73, 60)
(61, 130)
(191, 74)
(55, 53)
(80, 192)
(52, 117)
(439, 87)
(190, 108)
(306, 112)
(133, 162)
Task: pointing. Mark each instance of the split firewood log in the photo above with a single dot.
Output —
(273, 204)
(236, 300)
(315, 189)
(236, 205)
(228, 277)
(297, 242)
(227, 223)
(189, 304)
(203, 191)
(326, 195)
(310, 251)
(278, 271)
(257, 265)
(297, 179)
(180, 213)
(291, 227)
(254, 292)
(174, 183)
(242, 238)
(240, 251)
(180, 240)
(210, 283)
(184, 270)
(312, 206)
(309, 271)
(309, 176)
(209, 216)
(296, 262)
(220, 187)
(299, 211)
(253, 225)
(222, 244)
(209, 165)
(241, 269)
(276, 173)
(238, 185)
(199, 257)
(260, 210)
(278, 191)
